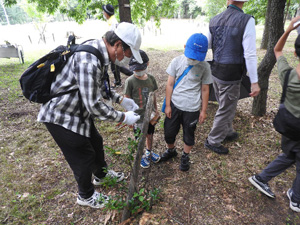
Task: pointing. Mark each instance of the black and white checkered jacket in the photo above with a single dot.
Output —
(83, 71)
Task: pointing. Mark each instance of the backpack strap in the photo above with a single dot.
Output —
(92, 50)
(81, 48)
(71, 41)
(284, 87)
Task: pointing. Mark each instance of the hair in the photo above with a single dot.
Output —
(112, 38)
(297, 46)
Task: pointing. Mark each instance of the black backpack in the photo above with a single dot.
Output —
(37, 79)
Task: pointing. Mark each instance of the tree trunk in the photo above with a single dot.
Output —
(287, 11)
(124, 11)
(6, 16)
(268, 62)
(133, 185)
(265, 37)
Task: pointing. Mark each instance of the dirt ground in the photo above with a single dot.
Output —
(38, 187)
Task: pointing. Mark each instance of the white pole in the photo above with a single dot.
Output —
(5, 12)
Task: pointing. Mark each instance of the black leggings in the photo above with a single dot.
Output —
(84, 155)
(116, 71)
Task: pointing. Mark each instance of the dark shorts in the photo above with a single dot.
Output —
(188, 120)
(151, 129)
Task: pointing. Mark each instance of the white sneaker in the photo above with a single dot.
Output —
(110, 173)
(97, 200)
(293, 205)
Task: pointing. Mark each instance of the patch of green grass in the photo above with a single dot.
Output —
(10, 73)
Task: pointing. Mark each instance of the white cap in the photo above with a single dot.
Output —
(131, 35)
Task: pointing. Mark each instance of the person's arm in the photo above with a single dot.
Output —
(205, 96)
(282, 40)
(87, 75)
(249, 46)
(169, 91)
(155, 102)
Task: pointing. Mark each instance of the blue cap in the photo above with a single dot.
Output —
(196, 47)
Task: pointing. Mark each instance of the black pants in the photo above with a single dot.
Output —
(84, 155)
(116, 71)
(285, 160)
(188, 120)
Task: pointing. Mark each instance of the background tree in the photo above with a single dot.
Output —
(190, 9)
(264, 70)
(4, 13)
(80, 10)
(213, 7)
(124, 11)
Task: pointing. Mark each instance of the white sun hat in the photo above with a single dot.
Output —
(131, 35)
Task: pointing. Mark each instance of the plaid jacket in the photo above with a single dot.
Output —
(82, 71)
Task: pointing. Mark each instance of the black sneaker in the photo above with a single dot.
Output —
(260, 185)
(168, 154)
(220, 149)
(184, 165)
(116, 85)
(293, 205)
(232, 137)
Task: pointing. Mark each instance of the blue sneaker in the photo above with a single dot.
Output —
(154, 157)
(145, 163)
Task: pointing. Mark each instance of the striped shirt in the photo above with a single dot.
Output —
(83, 71)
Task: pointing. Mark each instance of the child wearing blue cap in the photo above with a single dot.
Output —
(137, 87)
(192, 76)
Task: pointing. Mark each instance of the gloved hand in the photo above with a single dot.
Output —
(131, 117)
(129, 104)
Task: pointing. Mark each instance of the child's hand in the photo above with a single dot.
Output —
(293, 24)
(202, 117)
(168, 111)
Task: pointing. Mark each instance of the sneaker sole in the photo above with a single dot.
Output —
(156, 160)
(145, 167)
(259, 187)
(296, 209)
(82, 203)
(97, 183)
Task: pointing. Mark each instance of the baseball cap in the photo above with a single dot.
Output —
(135, 65)
(196, 47)
(109, 9)
(131, 35)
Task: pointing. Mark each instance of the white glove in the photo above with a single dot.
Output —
(131, 117)
(129, 104)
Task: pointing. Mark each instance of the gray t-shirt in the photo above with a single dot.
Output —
(187, 94)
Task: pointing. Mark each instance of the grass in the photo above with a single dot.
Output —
(37, 185)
